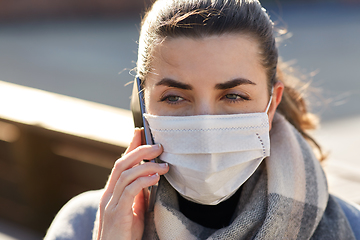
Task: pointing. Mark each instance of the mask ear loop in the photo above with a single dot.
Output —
(268, 106)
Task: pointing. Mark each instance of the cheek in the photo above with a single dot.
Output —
(147, 101)
(271, 117)
(152, 104)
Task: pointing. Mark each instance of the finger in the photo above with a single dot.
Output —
(131, 175)
(126, 201)
(147, 152)
(130, 160)
(136, 141)
(124, 163)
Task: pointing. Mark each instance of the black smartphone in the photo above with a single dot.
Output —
(138, 109)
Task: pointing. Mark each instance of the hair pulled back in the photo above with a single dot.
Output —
(202, 18)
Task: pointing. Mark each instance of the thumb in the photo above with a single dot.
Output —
(136, 141)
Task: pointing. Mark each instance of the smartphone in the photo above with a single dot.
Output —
(138, 109)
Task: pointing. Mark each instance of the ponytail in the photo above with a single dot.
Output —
(294, 108)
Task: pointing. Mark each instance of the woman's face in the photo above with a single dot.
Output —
(210, 75)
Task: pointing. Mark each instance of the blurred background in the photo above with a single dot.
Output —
(65, 69)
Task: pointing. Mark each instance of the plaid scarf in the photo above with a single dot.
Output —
(286, 198)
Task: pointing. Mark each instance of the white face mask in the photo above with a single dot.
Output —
(211, 156)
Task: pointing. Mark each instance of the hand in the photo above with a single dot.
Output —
(122, 206)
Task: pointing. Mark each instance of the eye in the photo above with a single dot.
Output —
(171, 99)
(232, 97)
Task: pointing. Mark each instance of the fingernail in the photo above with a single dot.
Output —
(157, 146)
(164, 165)
(155, 175)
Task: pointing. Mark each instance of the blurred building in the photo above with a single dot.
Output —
(39, 9)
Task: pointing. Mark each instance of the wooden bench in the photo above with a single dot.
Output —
(53, 147)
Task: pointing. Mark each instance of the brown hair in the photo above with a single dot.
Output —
(201, 18)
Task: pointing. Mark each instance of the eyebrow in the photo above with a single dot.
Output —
(221, 86)
(233, 83)
(173, 83)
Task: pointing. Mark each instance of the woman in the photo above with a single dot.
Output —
(216, 101)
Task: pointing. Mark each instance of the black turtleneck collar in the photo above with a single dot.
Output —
(210, 216)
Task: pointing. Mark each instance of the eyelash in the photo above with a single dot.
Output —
(166, 99)
(241, 98)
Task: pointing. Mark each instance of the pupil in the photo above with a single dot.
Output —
(232, 96)
(173, 98)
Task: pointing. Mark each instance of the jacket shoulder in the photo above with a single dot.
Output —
(352, 212)
(76, 218)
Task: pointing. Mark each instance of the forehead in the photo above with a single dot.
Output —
(221, 57)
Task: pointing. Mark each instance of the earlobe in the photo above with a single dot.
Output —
(277, 96)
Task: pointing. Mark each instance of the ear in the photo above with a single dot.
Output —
(276, 99)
